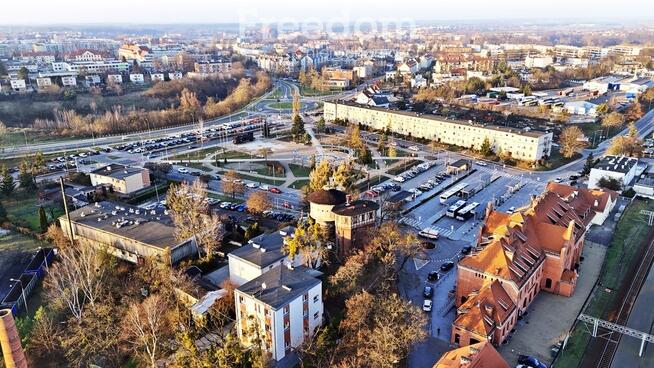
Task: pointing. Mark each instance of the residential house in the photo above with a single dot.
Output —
(621, 168)
(123, 179)
(136, 78)
(284, 305)
(479, 355)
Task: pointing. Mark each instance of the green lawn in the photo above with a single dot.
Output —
(630, 231)
(18, 139)
(262, 180)
(556, 160)
(268, 169)
(195, 165)
(307, 91)
(299, 170)
(299, 184)
(23, 210)
(224, 198)
(281, 105)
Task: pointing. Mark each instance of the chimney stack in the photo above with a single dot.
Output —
(10, 341)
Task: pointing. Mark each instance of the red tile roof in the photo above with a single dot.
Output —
(480, 355)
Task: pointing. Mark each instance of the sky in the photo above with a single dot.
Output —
(32, 12)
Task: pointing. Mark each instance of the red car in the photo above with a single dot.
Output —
(275, 190)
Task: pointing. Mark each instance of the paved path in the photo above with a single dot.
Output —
(550, 316)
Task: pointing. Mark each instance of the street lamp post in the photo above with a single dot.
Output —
(23, 292)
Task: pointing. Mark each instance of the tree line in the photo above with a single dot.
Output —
(189, 109)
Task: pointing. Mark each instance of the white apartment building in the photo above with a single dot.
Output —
(621, 168)
(92, 66)
(136, 78)
(69, 81)
(43, 82)
(523, 145)
(157, 77)
(18, 85)
(115, 78)
(284, 304)
(213, 67)
(123, 179)
(261, 254)
(175, 75)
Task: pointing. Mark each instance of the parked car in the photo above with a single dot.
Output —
(481, 163)
(275, 190)
(426, 305)
(428, 292)
(433, 276)
(558, 180)
(466, 250)
(252, 185)
(447, 266)
(182, 170)
(428, 245)
(530, 361)
(414, 148)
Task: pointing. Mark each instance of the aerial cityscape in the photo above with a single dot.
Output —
(339, 184)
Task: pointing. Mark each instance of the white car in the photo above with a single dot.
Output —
(414, 148)
(426, 305)
(481, 163)
(558, 180)
(399, 179)
(264, 187)
(251, 185)
(182, 170)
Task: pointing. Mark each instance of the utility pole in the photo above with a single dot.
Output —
(63, 195)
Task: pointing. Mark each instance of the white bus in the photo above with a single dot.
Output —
(452, 210)
(466, 212)
(452, 191)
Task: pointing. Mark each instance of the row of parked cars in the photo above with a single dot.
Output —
(61, 162)
(418, 169)
(376, 190)
(429, 184)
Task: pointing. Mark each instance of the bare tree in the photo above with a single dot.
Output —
(147, 324)
(190, 213)
(78, 278)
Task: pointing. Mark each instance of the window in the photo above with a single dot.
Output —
(548, 283)
(286, 310)
(315, 298)
(315, 315)
(305, 297)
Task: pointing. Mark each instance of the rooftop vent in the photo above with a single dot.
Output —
(286, 287)
(109, 168)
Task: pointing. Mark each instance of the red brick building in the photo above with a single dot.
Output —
(536, 248)
(480, 355)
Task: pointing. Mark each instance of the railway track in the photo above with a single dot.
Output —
(612, 340)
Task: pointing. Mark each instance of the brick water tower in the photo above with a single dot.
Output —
(10, 341)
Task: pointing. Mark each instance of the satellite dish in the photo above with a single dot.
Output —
(263, 286)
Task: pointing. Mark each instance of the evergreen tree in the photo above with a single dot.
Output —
(486, 149)
(589, 164)
(320, 125)
(3, 212)
(365, 156)
(43, 220)
(25, 177)
(7, 185)
(297, 129)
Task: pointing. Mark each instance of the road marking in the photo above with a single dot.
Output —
(420, 263)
